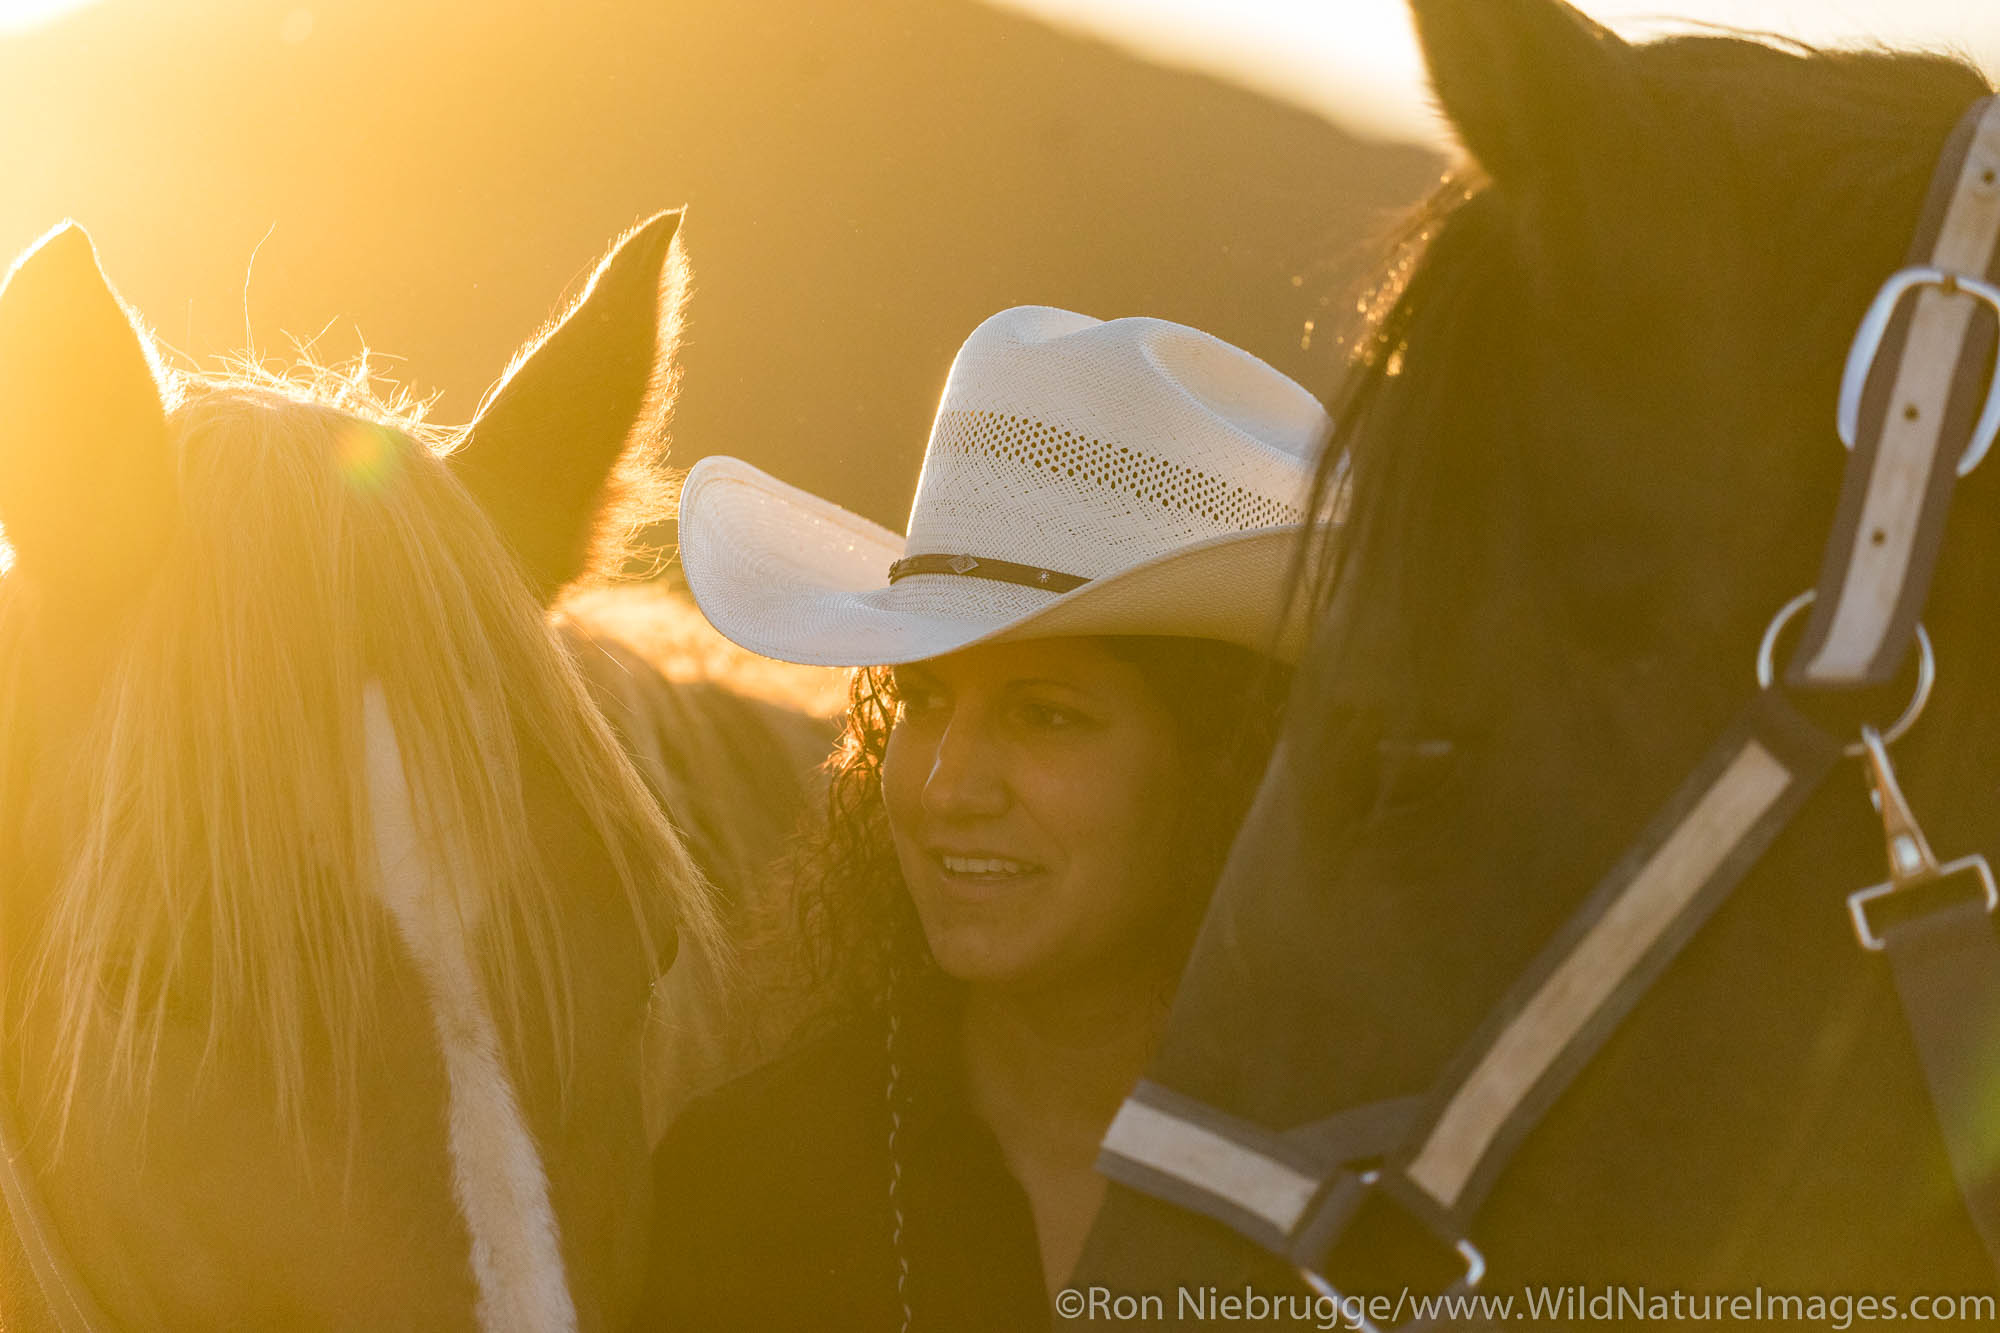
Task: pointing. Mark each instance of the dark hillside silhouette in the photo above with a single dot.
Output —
(865, 182)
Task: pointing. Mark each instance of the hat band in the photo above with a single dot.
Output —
(981, 567)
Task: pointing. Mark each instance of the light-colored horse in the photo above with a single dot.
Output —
(329, 904)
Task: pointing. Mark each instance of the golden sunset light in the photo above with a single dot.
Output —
(1356, 61)
(969, 666)
(21, 15)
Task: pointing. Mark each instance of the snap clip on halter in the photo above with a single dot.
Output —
(1913, 868)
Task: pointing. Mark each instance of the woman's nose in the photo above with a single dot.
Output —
(965, 780)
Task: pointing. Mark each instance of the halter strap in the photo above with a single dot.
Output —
(986, 567)
(1913, 384)
(1292, 1195)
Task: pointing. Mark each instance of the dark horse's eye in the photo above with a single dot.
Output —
(1411, 773)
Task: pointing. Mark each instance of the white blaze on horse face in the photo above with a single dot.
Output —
(496, 1171)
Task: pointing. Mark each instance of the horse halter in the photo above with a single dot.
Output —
(1416, 1170)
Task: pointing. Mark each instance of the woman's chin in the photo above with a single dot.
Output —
(978, 958)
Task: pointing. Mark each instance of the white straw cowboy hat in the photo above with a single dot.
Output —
(1082, 477)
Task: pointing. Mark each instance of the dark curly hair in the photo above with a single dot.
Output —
(853, 922)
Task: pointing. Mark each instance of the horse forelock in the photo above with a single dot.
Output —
(217, 839)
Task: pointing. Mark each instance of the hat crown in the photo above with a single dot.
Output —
(1162, 471)
(1086, 446)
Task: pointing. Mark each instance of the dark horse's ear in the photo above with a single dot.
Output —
(596, 385)
(1540, 95)
(87, 491)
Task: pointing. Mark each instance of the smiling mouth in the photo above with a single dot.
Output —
(985, 868)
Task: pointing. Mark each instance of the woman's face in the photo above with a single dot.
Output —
(1033, 792)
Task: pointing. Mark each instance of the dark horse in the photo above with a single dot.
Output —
(1593, 451)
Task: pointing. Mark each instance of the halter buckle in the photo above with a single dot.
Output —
(1329, 1228)
(1868, 346)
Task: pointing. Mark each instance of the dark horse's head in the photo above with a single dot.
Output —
(1592, 449)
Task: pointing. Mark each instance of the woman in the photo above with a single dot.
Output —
(1069, 680)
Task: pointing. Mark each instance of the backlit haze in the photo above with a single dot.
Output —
(1356, 60)
(865, 180)
(20, 15)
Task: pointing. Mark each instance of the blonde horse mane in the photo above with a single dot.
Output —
(729, 742)
(222, 861)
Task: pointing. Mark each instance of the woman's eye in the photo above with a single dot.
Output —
(1049, 717)
(921, 703)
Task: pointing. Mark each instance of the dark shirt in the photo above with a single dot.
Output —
(773, 1199)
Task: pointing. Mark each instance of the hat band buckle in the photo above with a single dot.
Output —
(984, 567)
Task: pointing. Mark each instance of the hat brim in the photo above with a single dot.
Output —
(790, 576)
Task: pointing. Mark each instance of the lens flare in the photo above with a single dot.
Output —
(367, 456)
(1988, 1096)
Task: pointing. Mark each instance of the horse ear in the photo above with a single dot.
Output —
(593, 388)
(87, 490)
(1540, 95)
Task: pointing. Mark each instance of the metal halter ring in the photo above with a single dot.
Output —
(1767, 652)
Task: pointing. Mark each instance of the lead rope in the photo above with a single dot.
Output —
(893, 1090)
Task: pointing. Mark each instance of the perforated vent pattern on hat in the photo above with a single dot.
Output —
(1070, 453)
